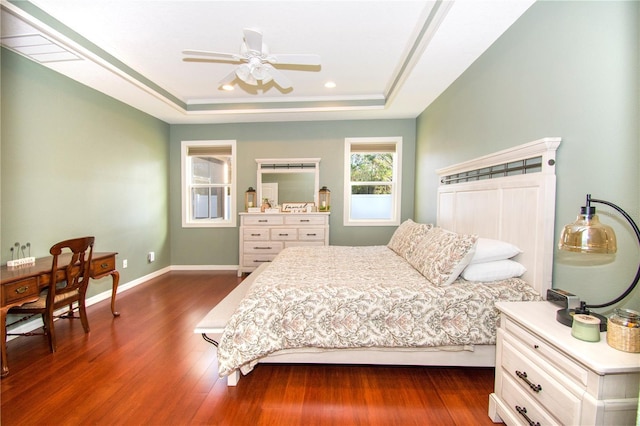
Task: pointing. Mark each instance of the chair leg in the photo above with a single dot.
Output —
(82, 309)
(51, 335)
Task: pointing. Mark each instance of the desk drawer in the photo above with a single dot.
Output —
(20, 290)
(102, 266)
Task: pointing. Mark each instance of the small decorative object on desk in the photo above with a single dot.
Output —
(623, 330)
(586, 327)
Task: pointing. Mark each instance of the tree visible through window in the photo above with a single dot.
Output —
(372, 193)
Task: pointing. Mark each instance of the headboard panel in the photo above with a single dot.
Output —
(510, 196)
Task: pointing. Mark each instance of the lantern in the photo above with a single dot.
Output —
(250, 199)
(324, 198)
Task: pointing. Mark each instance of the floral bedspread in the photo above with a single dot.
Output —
(347, 297)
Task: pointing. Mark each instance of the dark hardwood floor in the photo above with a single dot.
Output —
(147, 367)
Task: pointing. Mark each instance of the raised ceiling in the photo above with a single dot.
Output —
(388, 59)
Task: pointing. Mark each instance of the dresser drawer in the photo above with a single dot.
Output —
(262, 220)
(20, 290)
(543, 349)
(535, 380)
(284, 234)
(253, 234)
(270, 247)
(520, 404)
(255, 260)
(305, 220)
(311, 234)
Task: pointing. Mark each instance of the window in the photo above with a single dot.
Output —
(208, 183)
(372, 189)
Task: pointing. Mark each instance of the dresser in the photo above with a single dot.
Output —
(546, 376)
(264, 235)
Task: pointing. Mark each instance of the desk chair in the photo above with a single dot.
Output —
(67, 284)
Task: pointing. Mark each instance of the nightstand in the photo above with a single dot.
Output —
(546, 376)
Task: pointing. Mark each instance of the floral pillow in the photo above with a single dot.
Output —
(442, 255)
(405, 238)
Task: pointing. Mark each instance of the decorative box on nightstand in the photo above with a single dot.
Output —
(546, 376)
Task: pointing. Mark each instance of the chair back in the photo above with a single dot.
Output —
(70, 271)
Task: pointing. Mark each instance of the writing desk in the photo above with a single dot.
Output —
(22, 284)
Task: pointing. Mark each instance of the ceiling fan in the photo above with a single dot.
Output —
(257, 64)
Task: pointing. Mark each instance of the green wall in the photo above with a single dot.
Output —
(76, 162)
(567, 69)
(323, 139)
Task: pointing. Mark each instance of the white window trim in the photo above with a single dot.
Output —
(397, 182)
(186, 200)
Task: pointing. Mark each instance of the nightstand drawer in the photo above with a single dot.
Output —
(253, 234)
(20, 290)
(531, 341)
(521, 404)
(535, 379)
(284, 234)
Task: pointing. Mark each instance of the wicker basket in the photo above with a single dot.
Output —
(623, 334)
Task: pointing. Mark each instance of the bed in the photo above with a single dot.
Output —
(413, 301)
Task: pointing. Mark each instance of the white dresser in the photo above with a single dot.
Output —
(264, 235)
(546, 376)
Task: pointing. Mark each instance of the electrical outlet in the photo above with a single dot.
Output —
(151, 256)
(124, 263)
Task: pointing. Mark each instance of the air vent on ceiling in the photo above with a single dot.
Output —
(39, 48)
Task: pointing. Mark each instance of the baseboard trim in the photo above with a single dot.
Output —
(34, 324)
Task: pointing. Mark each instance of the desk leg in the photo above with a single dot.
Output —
(3, 348)
(115, 276)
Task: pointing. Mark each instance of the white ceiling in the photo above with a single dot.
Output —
(389, 59)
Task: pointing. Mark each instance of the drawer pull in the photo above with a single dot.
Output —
(104, 265)
(523, 376)
(305, 220)
(261, 261)
(262, 248)
(523, 412)
(22, 290)
(255, 235)
(311, 235)
(263, 220)
(283, 235)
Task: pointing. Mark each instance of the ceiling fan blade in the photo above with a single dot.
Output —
(294, 59)
(217, 55)
(279, 78)
(253, 39)
(228, 79)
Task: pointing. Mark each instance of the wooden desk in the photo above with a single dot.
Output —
(23, 284)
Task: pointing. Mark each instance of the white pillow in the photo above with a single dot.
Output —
(488, 250)
(493, 271)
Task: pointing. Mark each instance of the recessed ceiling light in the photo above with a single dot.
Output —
(227, 87)
(330, 84)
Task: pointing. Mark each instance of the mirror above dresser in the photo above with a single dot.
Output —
(288, 180)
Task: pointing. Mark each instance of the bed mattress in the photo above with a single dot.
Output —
(339, 297)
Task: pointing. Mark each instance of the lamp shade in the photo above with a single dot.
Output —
(588, 235)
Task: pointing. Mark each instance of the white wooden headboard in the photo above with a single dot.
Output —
(510, 196)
